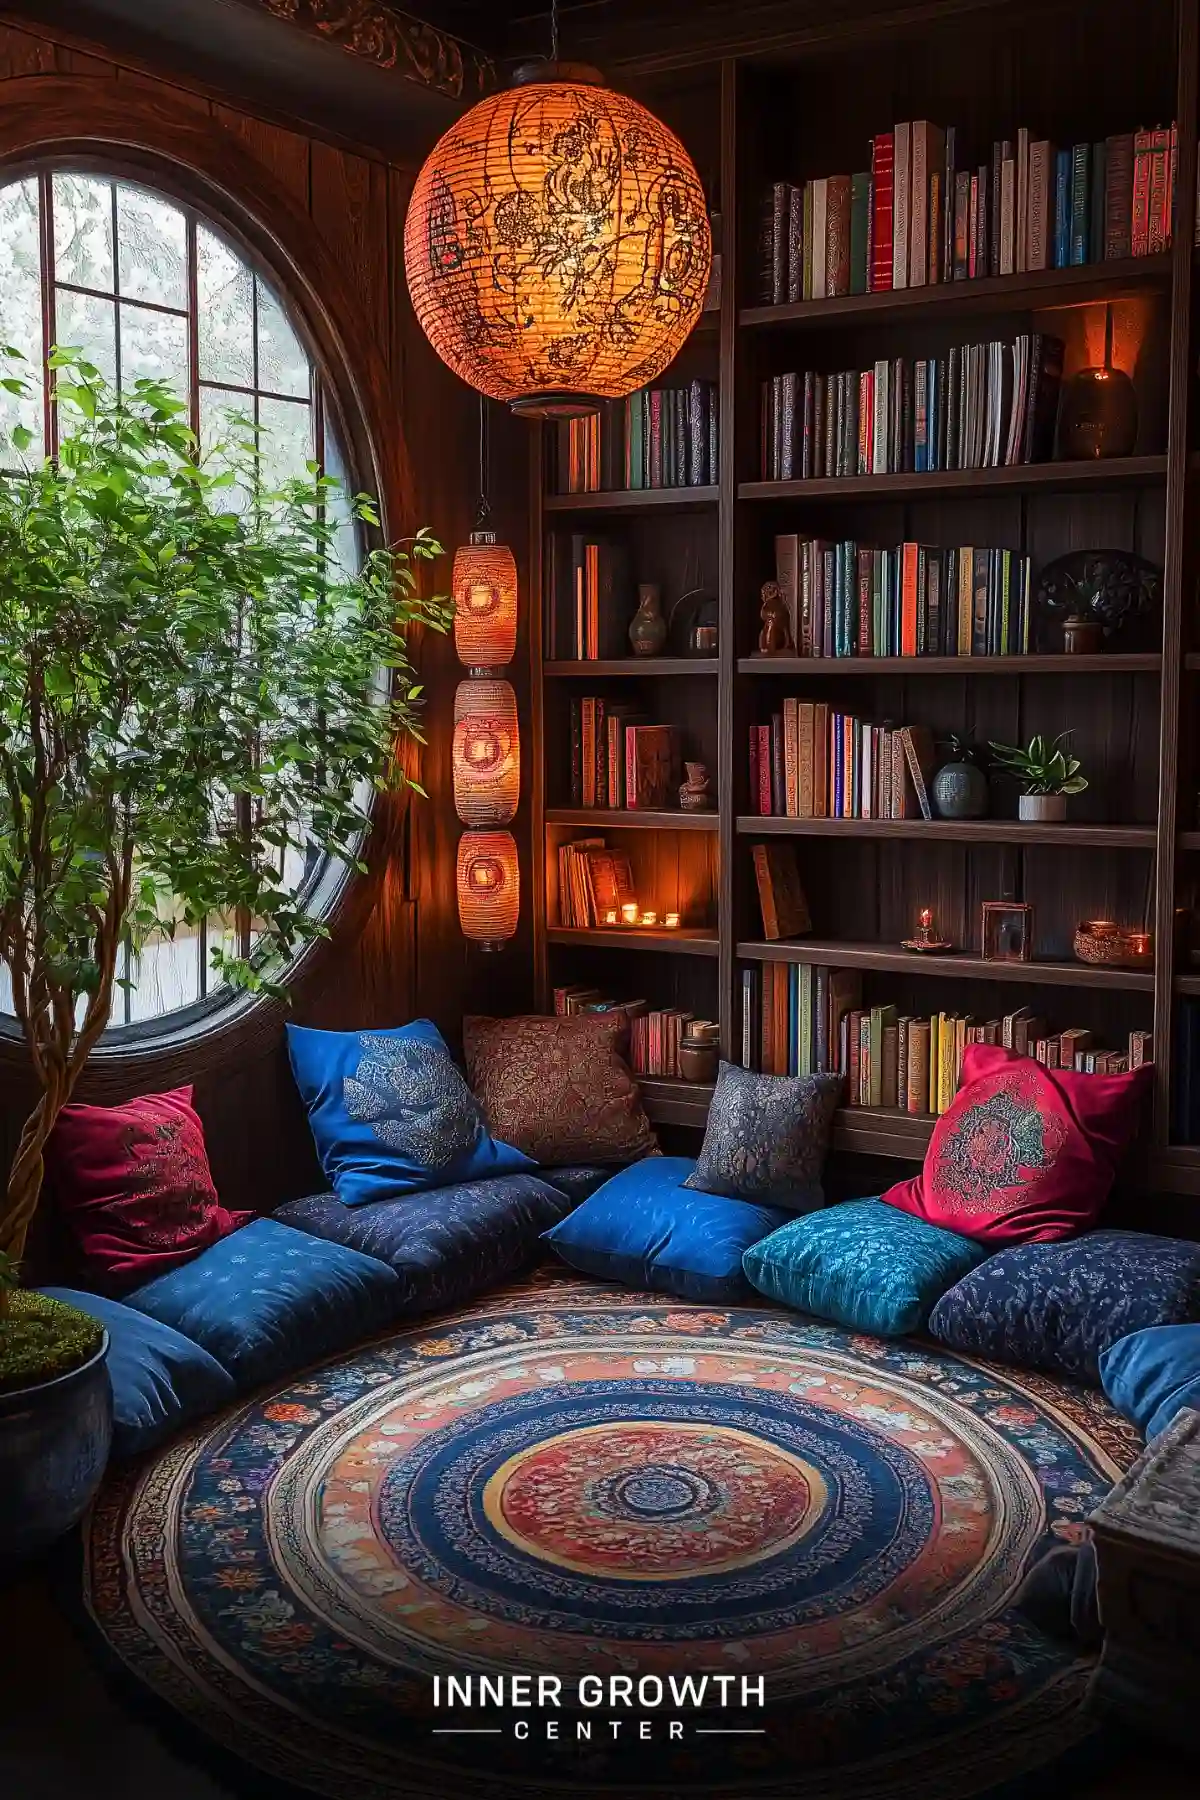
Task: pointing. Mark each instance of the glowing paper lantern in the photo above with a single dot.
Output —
(489, 886)
(485, 602)
(486, 755)
(557, 244)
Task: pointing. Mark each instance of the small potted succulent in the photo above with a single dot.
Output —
(960, 787)
(1047, 773)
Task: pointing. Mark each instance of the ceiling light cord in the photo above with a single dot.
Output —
(554, 30)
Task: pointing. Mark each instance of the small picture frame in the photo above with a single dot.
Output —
(1006, 931)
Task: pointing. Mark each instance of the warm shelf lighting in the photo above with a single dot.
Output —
(489, 887)
(486, 753)
(557, 244)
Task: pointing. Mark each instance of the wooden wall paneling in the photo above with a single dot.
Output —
(21, 53)
(731, 716)
(1179, 570)
(541, 573)
(286, 154)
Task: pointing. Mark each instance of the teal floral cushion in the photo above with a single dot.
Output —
(767, 1137)
(863, 1265)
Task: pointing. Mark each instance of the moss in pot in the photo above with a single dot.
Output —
(1047, 774)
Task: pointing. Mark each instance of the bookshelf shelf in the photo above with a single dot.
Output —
(632, 665)
(671, 1102)
(1118, 663)
(685, 941)
(750, 122)
(623, 819)
(1117, 471)
(957, 831)
(959, 967)
(633, 500)
(1037, 291)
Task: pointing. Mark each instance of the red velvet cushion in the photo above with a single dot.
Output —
(1024, 1154)
(134, 1186)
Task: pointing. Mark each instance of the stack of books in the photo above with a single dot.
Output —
(654, 1041)
(619, 758)
(851, 599)
(655, 438)
(600, 604)
(811, 762)
(980, 406)
(577, 998)
(804, 1018)
(593, 882)
(914, 218)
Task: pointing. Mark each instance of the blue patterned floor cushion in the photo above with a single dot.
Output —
(161, 1380)
(1059, 1306)
(862, 1264)
(1151, 1375)
(577, 1180)
(444, 1246)
(644, 1228)
(391, 1112)
(269, 1300)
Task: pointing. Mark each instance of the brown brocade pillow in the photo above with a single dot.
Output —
(559, 1089)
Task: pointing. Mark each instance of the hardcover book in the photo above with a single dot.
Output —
(781, 895)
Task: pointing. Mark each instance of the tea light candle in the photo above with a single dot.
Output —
(1138, 943)
(925, 918)
(611, 916)
(629, 913)
(649, 918)
(672, 921)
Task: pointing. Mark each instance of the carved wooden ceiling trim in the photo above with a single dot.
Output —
(390, 39)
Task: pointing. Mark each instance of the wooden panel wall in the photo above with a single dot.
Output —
(397, 951)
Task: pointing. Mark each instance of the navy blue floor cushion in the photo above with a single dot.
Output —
(161, 1380)
(577, 1180)
(444, 1245)
(1059, 1306)
(645, 1228)
(268, 1300)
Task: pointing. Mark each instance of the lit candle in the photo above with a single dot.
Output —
(1139, 943)
(649, 918)
(629, 913)
(671, 921)
(611, 916)
(925, 918)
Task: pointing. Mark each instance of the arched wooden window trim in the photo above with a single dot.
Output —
(190, 157)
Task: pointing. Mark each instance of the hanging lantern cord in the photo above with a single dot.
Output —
(554, 30)
(484, 511)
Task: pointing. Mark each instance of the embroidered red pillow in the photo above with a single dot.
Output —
(133, 1184)
(1025, 1154)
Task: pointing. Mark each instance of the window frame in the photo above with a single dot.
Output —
(204, 1019)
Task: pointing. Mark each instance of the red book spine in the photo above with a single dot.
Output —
(908, 601)
(883, 176)
(864, 602)
(764, 770)
(1141, 193)
(631, 793)
(754, 765)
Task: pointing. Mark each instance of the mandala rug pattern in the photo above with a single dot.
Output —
(574, 1481)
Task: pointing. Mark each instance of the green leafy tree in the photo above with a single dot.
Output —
(191, 682)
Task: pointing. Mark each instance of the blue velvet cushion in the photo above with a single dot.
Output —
(862, 1264)
(160, 1379)
(269, 1300)
(1151, 1375)
(646, 1229)
(391, 1112)
(1059, 1306)
(443, 1246)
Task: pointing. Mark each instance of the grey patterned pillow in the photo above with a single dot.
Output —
(767, 1137)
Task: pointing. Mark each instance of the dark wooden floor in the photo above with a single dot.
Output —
(63, 1737)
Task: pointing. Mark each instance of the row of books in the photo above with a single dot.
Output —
(914, 218)
(654, 438)
(980, 406)
(653, 1035)
(810, 762)
(619, 758)
(600, 605)
(804, 1018)
(850, 599)
(593, 881)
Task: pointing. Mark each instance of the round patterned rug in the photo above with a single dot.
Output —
(627, 1500)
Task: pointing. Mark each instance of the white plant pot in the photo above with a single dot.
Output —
(1045, 808)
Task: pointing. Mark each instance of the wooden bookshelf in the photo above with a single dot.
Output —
(1127, 849)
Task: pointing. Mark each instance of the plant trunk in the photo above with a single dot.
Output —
(28, 1169)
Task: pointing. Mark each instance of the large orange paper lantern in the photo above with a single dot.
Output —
(486, 754)
(485, 602)
(557, 244)
(489, 886)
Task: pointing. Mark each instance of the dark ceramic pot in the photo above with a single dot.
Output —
(54, 1443)
(960, 791)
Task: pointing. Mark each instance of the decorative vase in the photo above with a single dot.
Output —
(960, 791)
(694, 795)
(1099, 415)
(1044, 808)
(648, 629)
(54, 1442)
(1082, 637)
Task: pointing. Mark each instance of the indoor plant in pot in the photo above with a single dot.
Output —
(193, 683)
(1047, 774)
